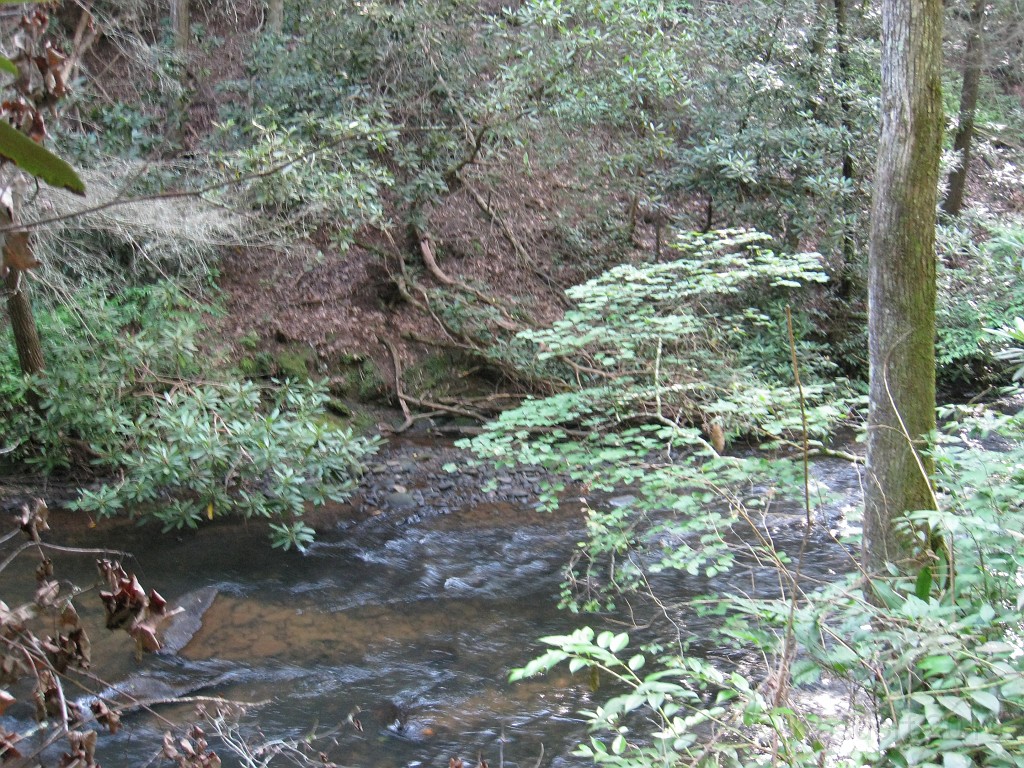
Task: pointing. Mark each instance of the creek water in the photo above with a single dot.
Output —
(411, 628)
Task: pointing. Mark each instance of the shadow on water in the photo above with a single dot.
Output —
(411, 629)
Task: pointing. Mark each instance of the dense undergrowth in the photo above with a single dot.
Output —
(928, 659)
(134, 397)
(925, 666)
(633, 150)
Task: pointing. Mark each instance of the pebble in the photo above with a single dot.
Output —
(405, 476)
(400, 500)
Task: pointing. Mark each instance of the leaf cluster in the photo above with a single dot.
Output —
(132, 393)
(655, 378)
(931, 660)
(46, 652)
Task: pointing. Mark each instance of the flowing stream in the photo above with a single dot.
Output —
(408, 623)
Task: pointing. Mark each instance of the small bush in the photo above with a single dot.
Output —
(128, 392)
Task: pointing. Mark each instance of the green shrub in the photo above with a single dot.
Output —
(931, 659)
(128, 392)
(210, 450)
(928, 664)
(985, 289)
(655, 353)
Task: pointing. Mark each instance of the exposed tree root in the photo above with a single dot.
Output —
(427, 252)
(430, 260)
(405, 399)
(396, 361)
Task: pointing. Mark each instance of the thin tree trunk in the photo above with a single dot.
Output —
(901, 279)
(23, 324)
(17, 257)
(849, 244)
(180, 25)
(275, 17)
(954, 200)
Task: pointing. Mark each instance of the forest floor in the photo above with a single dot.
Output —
(368, 318)
(385, 322)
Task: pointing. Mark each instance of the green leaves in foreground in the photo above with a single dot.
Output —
(37, 160)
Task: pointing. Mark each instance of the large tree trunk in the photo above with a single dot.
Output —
(901, 278)
(23, 324)
(954, 200)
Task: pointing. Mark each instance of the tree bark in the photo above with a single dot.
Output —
(901, 279)
(954, 200)
(180, 25)
(17, 257)
(275, 17)
(23, 324)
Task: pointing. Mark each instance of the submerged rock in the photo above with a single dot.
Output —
(183, 626)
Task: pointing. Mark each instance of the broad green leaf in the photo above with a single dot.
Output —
(987, 700)
(933, 713)
(37, 160)
(936, 665)
(957, 706)
(8, 66)
(923, 585)
(1013, 688)
(955, 760)
(885, 593)
(915, 754)
(618, 642)
(619, 744)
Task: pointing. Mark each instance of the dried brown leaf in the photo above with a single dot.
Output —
(8, 751)
(47, 594)
(106, 716)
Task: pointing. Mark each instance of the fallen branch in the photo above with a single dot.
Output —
(450, 409)
(405, 399)
(817, 449)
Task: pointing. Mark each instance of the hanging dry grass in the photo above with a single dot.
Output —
(130, 240)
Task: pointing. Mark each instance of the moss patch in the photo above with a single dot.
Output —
(294, 362)
(357, 377)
